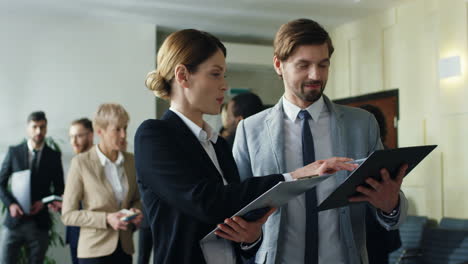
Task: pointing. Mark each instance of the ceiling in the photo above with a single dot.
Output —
(236, 18)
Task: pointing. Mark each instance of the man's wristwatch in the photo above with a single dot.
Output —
(393, 213)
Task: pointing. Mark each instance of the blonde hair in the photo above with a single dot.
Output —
(110, 113)
(189, 47)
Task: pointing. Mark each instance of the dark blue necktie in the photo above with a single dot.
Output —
(308, 156)
(35, 157)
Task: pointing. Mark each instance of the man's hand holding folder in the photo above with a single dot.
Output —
(239, 229)
(383, 195)
(378, 179)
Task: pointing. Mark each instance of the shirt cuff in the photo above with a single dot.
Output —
(392, 217)
(288, 177)
(247, 246)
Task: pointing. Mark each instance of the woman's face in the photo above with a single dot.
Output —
(207, 85)
(114, 136)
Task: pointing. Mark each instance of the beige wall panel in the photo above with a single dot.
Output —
(453, 34)
(416, 199)
(456, 165)
(430, 110)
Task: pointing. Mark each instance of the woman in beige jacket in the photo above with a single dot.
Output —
(103, 180)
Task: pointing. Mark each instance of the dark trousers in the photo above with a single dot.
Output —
(118, 256)
(145, 245)
(25, 234)
(72, 234)
(380, 242)
(74, 257)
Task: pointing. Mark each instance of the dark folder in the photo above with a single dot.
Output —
(391, 159)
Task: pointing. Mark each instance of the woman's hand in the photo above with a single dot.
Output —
(137, 220)
(241, 231)
(327, 166)
(113, 219)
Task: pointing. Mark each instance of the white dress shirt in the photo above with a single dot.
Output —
(221, 252)
(293, 246)
(114, 172)
(205, 135)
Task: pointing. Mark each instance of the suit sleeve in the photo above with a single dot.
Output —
(241, 152)
(177, 179)
(58, 177)
(5, 173)
(376, 144)
(71, 215)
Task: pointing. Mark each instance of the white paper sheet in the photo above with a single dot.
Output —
(21, 189)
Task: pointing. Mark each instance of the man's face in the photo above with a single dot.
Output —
(81, 139)
(304, 73)
(37, 131)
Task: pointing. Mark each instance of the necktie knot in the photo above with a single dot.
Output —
(304, 115)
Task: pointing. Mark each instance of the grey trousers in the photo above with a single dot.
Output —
(26, 234)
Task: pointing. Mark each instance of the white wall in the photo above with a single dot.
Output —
(68, 66)
(400, 48)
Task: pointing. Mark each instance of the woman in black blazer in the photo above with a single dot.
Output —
(186, 174)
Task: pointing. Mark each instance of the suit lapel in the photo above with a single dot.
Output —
(190, 143)
(275, 130)
(24, 153)
(226, 161)
(43, 158)
(127, 173)
(339, 144)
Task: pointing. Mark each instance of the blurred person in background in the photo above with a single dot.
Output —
(23, 228)
(103, 180)
(81, 139)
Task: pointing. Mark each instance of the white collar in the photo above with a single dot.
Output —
(291, 110)
(103, 159)
(203, 134)
(30, 147)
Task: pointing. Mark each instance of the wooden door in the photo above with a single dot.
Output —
(387, 102)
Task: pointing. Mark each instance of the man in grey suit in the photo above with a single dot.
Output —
(306, 125)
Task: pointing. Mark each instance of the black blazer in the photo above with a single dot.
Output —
(380, 241)
(183, 192)
(50, 174)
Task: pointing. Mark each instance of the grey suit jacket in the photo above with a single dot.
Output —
(259, 150)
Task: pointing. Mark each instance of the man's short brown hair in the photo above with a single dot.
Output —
(299, 32)
(85, 122)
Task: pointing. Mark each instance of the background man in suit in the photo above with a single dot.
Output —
(30, 230)
(380, 242)
(305, 126)
(81, 139)
(240, 107)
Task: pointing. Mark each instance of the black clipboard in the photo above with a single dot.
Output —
(391, 159)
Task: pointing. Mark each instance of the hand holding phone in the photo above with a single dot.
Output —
(129, 215)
